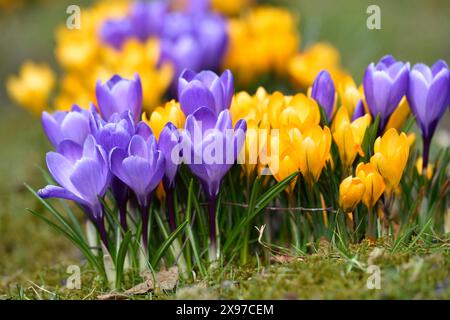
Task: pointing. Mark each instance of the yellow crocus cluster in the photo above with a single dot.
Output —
(85, 60)
(260, 42)
(349, 135)
(32, 87)
(304, 66)
(170, 112)
(381, 175)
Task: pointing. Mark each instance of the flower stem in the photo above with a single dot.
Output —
(170, 209)
(426, 154)
(145, 217)
(212, 227)
(102, 231)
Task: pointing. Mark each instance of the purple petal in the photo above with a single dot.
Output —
(194, 96)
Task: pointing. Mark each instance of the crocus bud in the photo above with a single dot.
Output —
(205, 89)
(324, 92)
(351, 191)
(391, 155)
(428, 94)
(373, 182)
(385, 84)
(118, 95)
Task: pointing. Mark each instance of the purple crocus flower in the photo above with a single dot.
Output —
(63, 125)
(210, 147)
(141, 168)
(427, 95)
(169, 144)
(118, 95)
(385, 84)
(83, 175)
(205, 89)
(147, 18)
(116, 133)
(359, 111)
(324, 92)
(116, 31)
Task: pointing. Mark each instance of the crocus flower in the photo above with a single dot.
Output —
(141, 168)
(62, 125)
(373, 181)
(324, 92)
(147, 18)
(169, 144)
(428, 97)
(313, 147)
(210, 147)
(116, 133)
(116, 31)
(118, 95)
(385, 84)
(349, 135)
(170, 112)
(83, 176)
(351, 191)
(390, 157)
(205, 89)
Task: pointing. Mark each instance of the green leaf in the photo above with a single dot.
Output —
(120, 259)
(166, 244)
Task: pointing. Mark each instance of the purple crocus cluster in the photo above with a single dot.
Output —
(110, 149)
(427, 90)
(193, 38)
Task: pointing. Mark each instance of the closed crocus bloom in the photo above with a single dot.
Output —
(83, 175)
(385, 84)
(298, 111)
(32, 88)
(118, 95)
(351, 191)
(170, 112)
(391, 153)
(349, 94)
(373, 182)
(210, 147)
(313, 148)
(324, 92)
(73, 125)
(284, 163)
(428, 94)
(349, 135)
(205, 89)
(141, 167)
(359, 110)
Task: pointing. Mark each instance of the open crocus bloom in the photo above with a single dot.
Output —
(385, 84)
(205, 89)
(82, 173)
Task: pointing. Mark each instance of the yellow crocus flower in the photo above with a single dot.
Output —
(391, 154)
(373, 182)
(349, 94)
(349, 135)
(170, 112)
(312, 147)
(351, 191)
(399, 116)
(304, 67)
(32, 87)
(285, 162)
(429, 171)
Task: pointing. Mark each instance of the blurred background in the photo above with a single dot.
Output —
(413, 30)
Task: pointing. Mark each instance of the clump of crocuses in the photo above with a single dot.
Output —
(109, 148)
